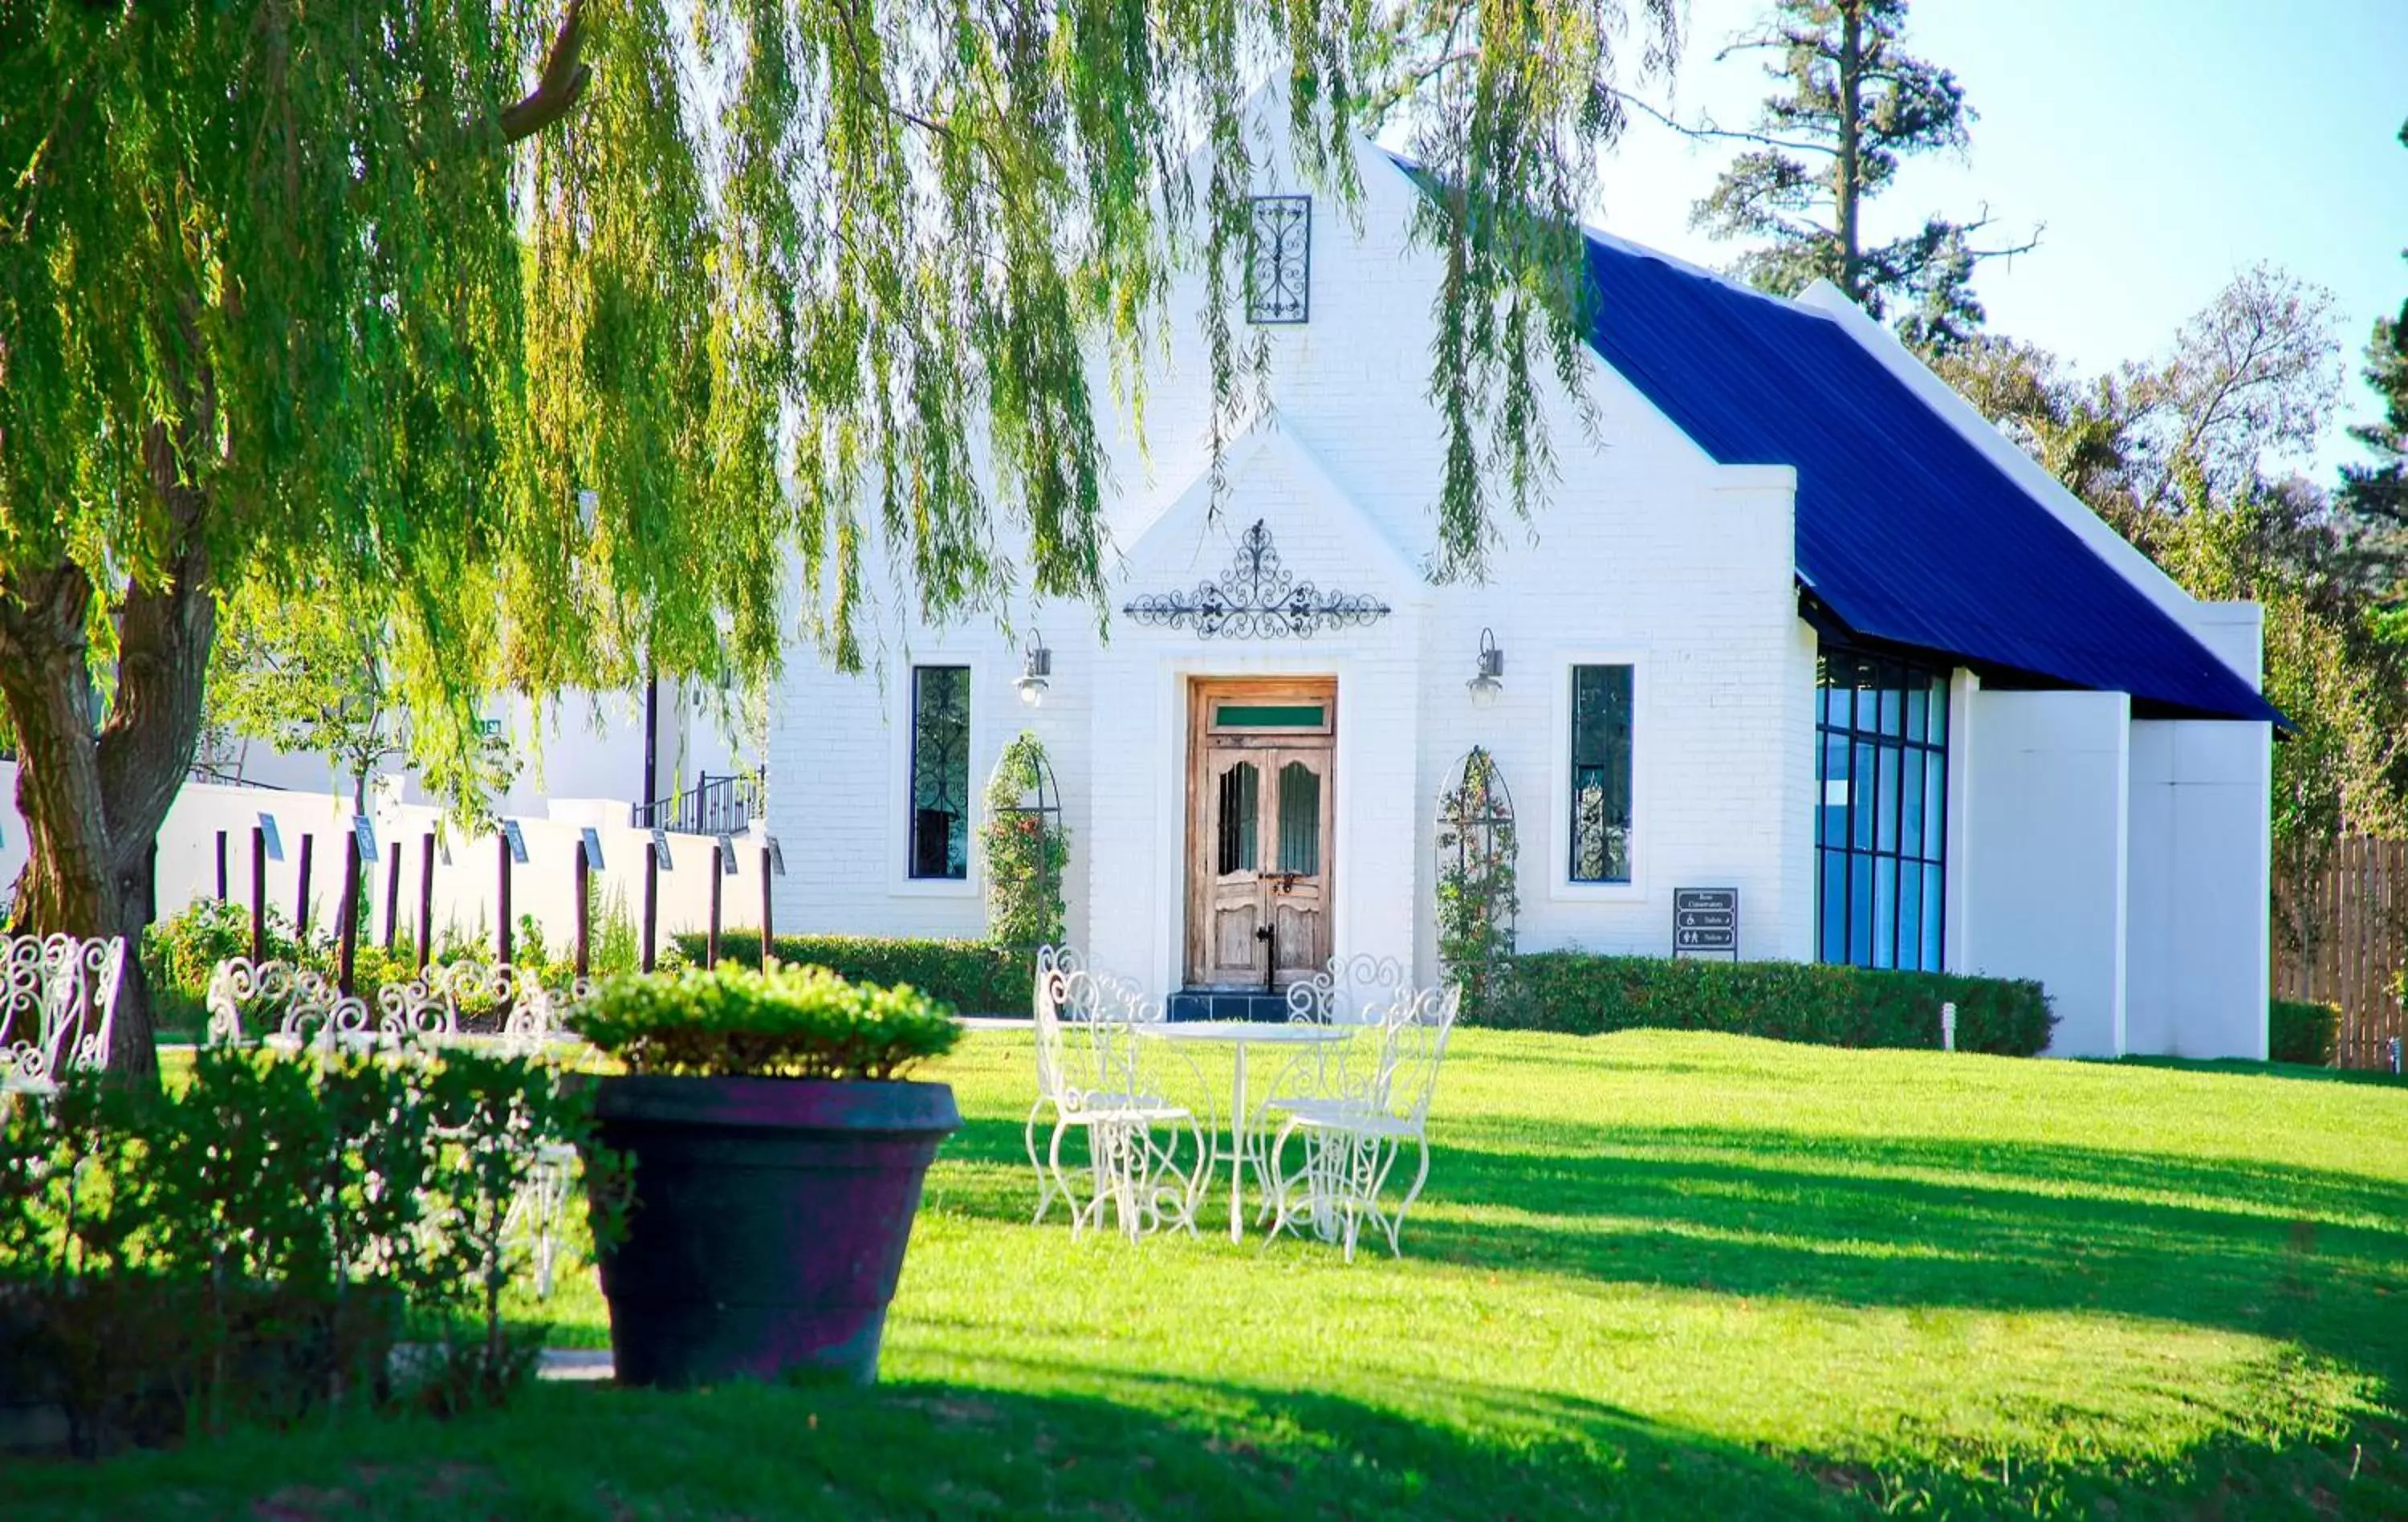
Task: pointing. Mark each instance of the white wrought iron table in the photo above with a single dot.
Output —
(1239, 1034)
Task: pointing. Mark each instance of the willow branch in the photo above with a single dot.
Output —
(558, 88)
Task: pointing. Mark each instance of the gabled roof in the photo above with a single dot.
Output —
(1906, 531)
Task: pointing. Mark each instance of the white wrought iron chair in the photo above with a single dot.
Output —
(1089, 1075)
(1352, 1139)
(284, 1007)
(58, 1003)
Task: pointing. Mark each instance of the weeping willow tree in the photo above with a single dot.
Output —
(549, 338)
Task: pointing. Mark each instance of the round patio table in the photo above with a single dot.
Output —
(1238, 1034)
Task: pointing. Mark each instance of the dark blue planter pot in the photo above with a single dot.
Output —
(767, 1225)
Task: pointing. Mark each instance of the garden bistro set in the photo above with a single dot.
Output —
(1354, 1066)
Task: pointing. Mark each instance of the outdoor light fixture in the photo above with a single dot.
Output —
(1490, 680)
(1035, 668)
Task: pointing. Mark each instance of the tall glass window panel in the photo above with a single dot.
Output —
(1599, 848)
(1881, 810)
(940, 771)
(1240, 789)
(1299, 819)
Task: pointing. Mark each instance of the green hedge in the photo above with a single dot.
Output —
(975, 977)
(1792, 1001)
(2297, 1032)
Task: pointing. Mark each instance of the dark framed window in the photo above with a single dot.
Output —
(1881, 811)
(1599, 847)
(940, 771)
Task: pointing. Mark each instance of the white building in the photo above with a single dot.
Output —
(1799, 624)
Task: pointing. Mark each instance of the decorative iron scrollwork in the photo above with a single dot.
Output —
(1279, 260)
(1258, 598)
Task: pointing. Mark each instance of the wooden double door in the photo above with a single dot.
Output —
(1261, 801)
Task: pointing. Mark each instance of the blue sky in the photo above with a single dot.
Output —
(2164, 143)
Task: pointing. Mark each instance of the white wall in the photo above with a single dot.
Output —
(2046, 843)
(1646, 552)
(2201, 875)
(466, 887)
(581, 745)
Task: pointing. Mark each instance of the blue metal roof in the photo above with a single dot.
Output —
(1906, 531)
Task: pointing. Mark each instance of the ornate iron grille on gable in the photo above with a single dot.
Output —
(1279, 260)
(1256, 598)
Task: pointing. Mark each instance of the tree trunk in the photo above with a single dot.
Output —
(93, 797)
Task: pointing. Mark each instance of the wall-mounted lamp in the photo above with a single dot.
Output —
(1036, 666)
(1489, 682)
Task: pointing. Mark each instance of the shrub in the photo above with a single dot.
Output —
(1027, 847)
(2301, 1032)
(248, 1244)
(1795, 1001)
(976, 977)
(791, 1022)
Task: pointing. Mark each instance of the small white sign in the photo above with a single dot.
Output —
(593, 848)
(364, 830)
(727, 855)
(275, 840)
(517, 841)
(776, 856)
(661, 848)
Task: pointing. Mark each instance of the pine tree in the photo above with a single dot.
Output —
(2377, 494)
(1853, 105)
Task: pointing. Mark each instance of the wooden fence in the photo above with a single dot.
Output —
(2355, 916)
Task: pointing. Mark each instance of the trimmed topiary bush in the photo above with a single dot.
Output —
(975, 977)
(1816, 1002)
(2301, 1032)
(802, 1022)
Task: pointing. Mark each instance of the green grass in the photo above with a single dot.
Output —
(1658, 1274)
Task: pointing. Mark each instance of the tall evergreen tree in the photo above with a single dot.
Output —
(1852, 107)
(326, 295)
(2377, 494)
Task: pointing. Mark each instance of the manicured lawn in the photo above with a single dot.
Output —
(1658, 1274)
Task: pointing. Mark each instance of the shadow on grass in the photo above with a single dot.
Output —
(1122, 1446)
(2319, 1257)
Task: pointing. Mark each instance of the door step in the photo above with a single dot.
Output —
(1225, 1004)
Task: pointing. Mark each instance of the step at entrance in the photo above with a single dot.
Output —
(1223, 1004)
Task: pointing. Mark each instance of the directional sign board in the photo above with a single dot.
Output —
(274, 841)
(517, 841)
(661, 847)
(1705, 922)
(364, 830)
(727, 855)
(593, 848)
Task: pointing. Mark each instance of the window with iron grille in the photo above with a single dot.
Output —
(940, 771)
(1600, 776)
(1279, 259)
(1881, 811)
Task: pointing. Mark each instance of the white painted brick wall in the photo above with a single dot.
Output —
(1645, 549)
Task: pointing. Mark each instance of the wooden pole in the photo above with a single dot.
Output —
(221, 865)
(426, 901)
(769, 931)
(502, 937)
(347, 932)
(651, 903)
(392, 896)
(258, 895)
(710, 948)
(301, 897)
(584, 912)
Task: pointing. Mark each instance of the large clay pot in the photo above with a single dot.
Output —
(768, 1221)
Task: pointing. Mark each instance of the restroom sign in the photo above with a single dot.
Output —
(1705, 922)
